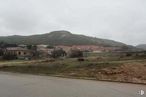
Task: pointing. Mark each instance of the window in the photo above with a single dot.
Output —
(24, 53)
(19, 53)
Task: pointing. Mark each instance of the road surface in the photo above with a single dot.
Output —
(21, 85)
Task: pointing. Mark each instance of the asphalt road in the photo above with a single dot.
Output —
(21, 85)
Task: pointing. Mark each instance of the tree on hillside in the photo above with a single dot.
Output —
(29, 47)
(32, 47)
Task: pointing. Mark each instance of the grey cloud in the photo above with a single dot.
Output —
(121, 20)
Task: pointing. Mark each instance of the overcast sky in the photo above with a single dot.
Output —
(121, 20)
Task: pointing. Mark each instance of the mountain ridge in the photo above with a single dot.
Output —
(141, 46)
(61, 37)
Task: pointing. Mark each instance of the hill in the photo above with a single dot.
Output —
(142, 46)
(60, 38)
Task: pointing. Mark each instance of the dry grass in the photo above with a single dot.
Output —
(125, 71)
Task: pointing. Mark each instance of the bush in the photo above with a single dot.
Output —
(1, 52)
(81, 59)
(9, 57)
(58, 53)
(76, 53)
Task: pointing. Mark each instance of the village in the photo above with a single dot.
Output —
(33, 52)
(27, 52)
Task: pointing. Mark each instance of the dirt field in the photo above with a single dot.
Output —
(124, 71)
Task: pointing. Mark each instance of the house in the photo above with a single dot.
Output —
(43, 51)
(65, 48)
(20, 53)
(42, 46)
(89, 48)
(22, 46)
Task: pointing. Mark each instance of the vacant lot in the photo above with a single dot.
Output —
(124, 71)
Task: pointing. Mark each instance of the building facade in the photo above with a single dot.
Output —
(20, 53)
